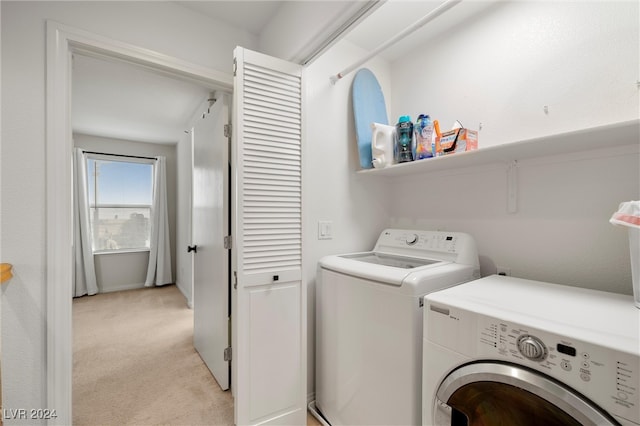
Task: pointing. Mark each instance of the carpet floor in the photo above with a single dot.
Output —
(134, 363)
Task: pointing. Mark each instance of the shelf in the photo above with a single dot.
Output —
(611, 135)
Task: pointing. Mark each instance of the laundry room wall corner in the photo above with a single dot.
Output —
(357, 207)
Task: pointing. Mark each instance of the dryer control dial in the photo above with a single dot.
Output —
(532, 348)
(412, 239)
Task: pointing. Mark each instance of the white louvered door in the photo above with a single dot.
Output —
(269, 322)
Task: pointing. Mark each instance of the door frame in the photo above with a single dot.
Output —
(61, 42)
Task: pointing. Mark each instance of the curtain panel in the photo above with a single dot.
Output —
(159, 270)
(84, 272)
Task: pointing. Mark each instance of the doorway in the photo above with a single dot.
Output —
(63, 42)
(107, 97)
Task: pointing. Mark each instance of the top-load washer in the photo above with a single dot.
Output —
(509, 351)
(369, 323)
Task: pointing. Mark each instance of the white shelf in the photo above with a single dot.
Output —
(612, 135)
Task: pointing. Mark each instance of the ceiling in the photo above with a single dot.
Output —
(251, 16)
(118, 100)
(115, 99)
(123, 101)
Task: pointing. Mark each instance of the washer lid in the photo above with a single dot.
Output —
(379, 267)
(389, 260)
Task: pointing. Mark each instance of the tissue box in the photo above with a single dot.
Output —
(458, 140)
(628, 215)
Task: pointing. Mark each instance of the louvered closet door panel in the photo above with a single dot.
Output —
(271, 194)
(269, 299)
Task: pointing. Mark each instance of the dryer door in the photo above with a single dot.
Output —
(491, 393)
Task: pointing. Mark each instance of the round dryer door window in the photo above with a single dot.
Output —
(488, 394)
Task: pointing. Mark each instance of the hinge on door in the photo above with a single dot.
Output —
(235, 279)
(235, 66)
(228, 242)
(227, 130)
(227, 354)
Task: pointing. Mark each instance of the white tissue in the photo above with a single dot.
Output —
(628, 214)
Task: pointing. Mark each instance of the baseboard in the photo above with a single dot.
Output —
(313, 410)
(123, 287)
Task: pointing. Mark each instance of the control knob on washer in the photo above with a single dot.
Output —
(532, 348)
(412, 239)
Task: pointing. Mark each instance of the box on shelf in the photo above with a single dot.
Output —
(458, 140)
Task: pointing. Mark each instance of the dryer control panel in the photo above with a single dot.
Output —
(595, 371)
(587, 340)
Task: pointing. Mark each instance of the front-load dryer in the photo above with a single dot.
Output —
(508, 351)
(369, 323)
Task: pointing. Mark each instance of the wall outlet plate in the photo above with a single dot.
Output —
(503, 270)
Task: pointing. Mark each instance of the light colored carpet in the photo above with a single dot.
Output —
(134, 363)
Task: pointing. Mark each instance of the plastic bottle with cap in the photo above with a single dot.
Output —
(404, 140)
(424, 134)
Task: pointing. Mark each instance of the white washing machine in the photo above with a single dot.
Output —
(502, 350)
(369, 323)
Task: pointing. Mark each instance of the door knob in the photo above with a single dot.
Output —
(192, 249)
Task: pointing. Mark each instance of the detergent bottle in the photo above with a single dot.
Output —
(404, 140)
(424, 134)
(382, 140)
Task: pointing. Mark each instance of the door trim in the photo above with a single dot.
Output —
(556, 393)
(62, 41)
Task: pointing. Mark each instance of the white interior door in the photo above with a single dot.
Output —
(269, 301)
(210, 226)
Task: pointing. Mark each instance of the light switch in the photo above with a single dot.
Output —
(324, 230)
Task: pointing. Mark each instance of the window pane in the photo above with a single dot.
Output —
(119, 182)
(120, 197)
(118, 228)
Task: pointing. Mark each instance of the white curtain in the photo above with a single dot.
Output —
(159, 270)
(84, 274)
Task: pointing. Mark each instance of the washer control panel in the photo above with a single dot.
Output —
(417, 240)
(596, 371)
(444, 246)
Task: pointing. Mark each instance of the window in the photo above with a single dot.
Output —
(120, 194)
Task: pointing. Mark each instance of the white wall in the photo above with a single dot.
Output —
(121, 271)
(125, 271)
(561, 231)
(581, 59)
(500, 68)
(165, 27)
(357, 207)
